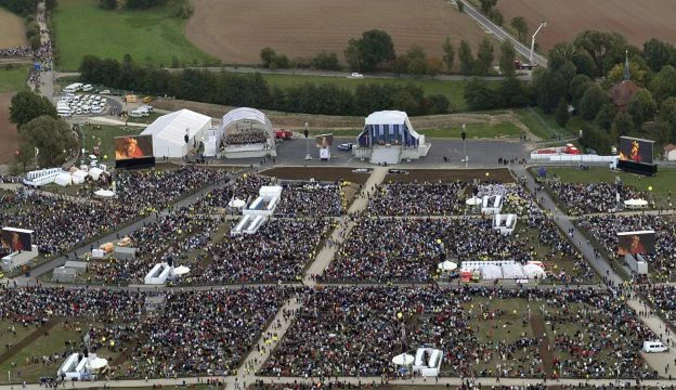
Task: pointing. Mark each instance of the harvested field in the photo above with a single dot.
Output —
(8, 133)
(12, 31)
(422, 175)
(320, 174)
(235, 31)
(637, 20)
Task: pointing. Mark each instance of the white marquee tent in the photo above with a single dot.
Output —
(169, 131)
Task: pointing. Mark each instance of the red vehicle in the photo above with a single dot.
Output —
(283, 135)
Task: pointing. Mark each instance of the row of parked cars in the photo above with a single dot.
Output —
(80, 104)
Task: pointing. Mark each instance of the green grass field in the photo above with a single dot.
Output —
(105, 136)
(150, 36)
(545, 127)
(13, 78)
(662, 184)
(453, 90)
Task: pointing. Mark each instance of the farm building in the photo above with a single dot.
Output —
(670, 152)
(388, 137)
(247, 133)
(169, 131)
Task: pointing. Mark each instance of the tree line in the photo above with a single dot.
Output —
(374, 50)
(252, 90)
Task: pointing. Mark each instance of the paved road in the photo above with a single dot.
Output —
(525, 75)
(502, 34)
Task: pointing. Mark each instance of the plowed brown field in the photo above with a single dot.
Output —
(235, 31)
(637, 20)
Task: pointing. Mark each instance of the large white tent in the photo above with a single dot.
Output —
(168, 132)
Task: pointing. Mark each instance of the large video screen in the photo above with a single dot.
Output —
(324, 140)
(636, 150)
(133, 146)
(632, 243)
(16, 240)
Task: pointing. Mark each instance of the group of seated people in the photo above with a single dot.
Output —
(588, 198)
(356, 331)
(662, 263)
(311, 200)
(397, 199)
(245, 138)
(278, 251)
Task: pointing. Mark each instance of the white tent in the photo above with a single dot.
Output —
(635, 203)
(491, 272)
(533, 271)
(474, 201)
(168, 132)
(237, 203)
(79, 176)
(98, 363)
(403, 359)
(181, 270)
(447, 266)
(64, 179)
(95, 173)
(513, 271)
(104, 193)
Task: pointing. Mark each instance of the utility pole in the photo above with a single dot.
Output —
(464, 143)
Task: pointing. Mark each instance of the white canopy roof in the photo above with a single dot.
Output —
(172, 127)
(403, 359)
(246, 114)
(386, 117)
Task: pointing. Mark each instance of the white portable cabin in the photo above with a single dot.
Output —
(73, 87)
(41, 177)
(158, 274)
(504, 223)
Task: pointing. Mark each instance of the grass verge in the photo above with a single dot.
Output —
(13, 78)
(152, 36)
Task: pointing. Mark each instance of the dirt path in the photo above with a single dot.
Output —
(537, 323)
(26, 341)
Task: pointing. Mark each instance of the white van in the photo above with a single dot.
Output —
(137, 113)
(63, 112)
(654, 346)
(73, 88)
(87, 87)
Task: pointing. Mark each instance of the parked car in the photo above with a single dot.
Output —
(345, 147)
(105, 92)
(355, 75)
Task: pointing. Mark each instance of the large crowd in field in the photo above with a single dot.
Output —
(580, 199)
(662, 263)
(396, 199)
(356, 331)
(406, 230)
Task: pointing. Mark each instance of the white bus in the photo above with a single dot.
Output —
(73, 88)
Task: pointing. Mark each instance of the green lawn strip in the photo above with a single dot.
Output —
(13, 78)
(152, 36)
(8, 337)
(544, 126)
(453, 90)
(105, 135)
(54, 342)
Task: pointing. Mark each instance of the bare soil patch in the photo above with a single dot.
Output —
(12, 30)
(8, 132)
(501, 175)
(320, 174)
(637, 20)
(235, 31)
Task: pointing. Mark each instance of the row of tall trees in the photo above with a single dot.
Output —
(40, 127)
(252, 90)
